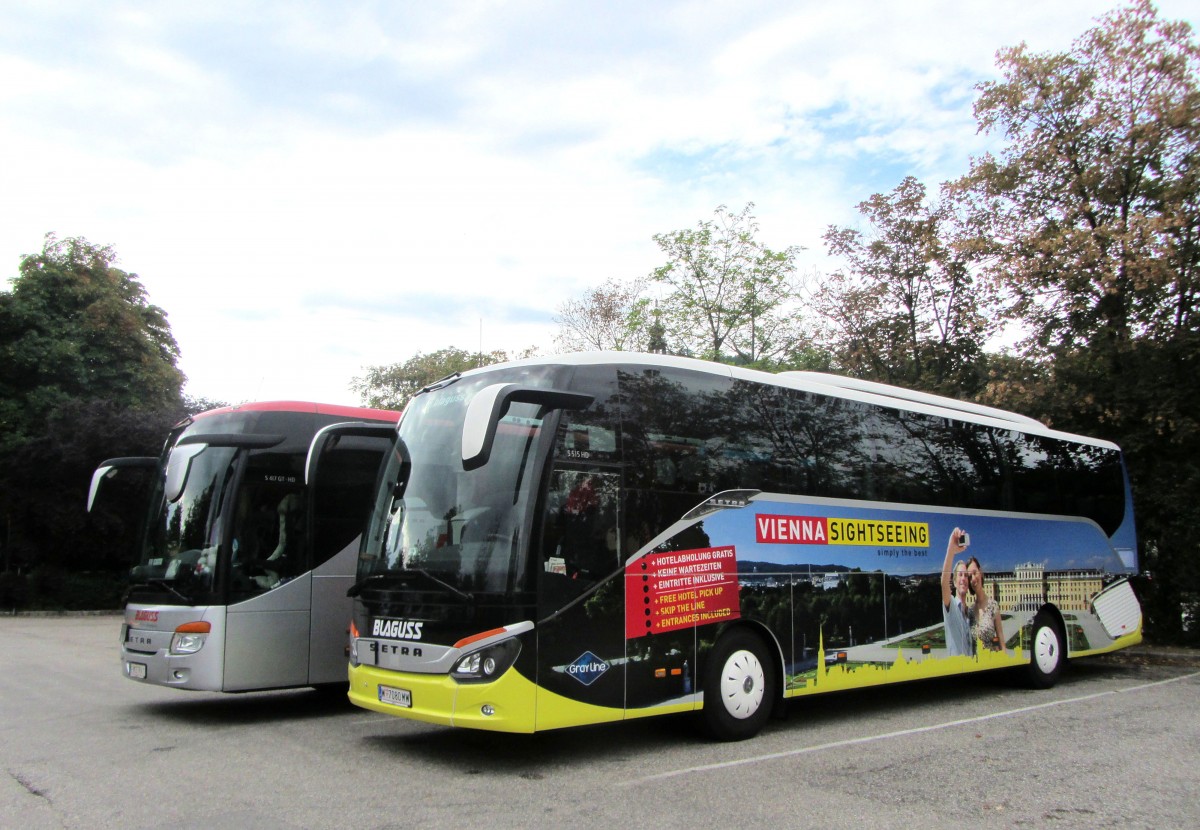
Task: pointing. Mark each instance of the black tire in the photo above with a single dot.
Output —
(739, 687)
(1047, 652)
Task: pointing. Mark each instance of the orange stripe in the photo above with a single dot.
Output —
(194, 628)
(483, 635)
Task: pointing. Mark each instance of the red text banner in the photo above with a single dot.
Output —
(791, 530)
(680, 589)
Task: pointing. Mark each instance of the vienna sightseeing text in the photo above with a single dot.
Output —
(822, 530)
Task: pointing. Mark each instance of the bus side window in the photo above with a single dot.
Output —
(580, 536)
(269, 544)
(343, 495)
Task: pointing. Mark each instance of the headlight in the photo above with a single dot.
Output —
(352, 644)
(187, 643)
(488, 663)
(189, 637)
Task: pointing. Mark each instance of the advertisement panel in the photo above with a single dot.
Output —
(853, 592)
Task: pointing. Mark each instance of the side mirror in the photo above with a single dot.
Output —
(113, 467)
(327, 437)
(489, 405)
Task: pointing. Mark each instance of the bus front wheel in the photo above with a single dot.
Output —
(1046, 652)
(739, 687)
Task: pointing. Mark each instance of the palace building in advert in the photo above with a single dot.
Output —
(1030, 586)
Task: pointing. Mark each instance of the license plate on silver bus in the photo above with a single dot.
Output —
(136, 670)
(396, 697)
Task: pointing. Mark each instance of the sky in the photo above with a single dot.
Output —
(309, 189)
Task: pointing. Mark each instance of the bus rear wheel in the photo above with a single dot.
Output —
(739, 687)
(1046, 652)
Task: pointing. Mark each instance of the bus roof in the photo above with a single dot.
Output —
(888, 391)
(869, 392)
(351, 412)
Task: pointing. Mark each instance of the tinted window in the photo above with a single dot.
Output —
(269, 545)
(591, 435)
(675, 428)
(695, 434)
(344, 493)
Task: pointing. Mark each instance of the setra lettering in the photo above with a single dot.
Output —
(400, 651)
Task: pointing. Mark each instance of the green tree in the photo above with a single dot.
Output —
(613, 316)
(908, 308)
(392, 386)
(728, 296)
(87, 371)
(75, 326)
(1094, 209)
(194, 406)
(1096, 199)
(46, 482)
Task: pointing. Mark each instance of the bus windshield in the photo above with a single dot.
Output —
(461, 527)
(183, 532)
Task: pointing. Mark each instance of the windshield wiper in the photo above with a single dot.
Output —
(446, 585)
(453, 377)
(404, 576)
(163, 583)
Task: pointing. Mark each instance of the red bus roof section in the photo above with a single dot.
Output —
(351, 412)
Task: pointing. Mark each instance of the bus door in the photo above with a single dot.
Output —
(267, 623)
(341, 497)
(581, 640)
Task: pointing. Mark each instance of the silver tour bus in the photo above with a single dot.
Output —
(240, 578)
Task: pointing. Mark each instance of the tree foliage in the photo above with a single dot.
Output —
(614, 316)
(87, 371)
(1095, 201)
(908, 307)
(721, 295)
(76, 327)
(728, 296)
(1081, 233)
(45, 485)
(392, 386)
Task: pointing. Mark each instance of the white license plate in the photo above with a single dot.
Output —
(396, 697)
(136, 670)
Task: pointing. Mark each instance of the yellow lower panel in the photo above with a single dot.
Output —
(906, 666)
(518, 705)
(665, 709)
(1130, 639)
(556, 712)
(436, 698)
